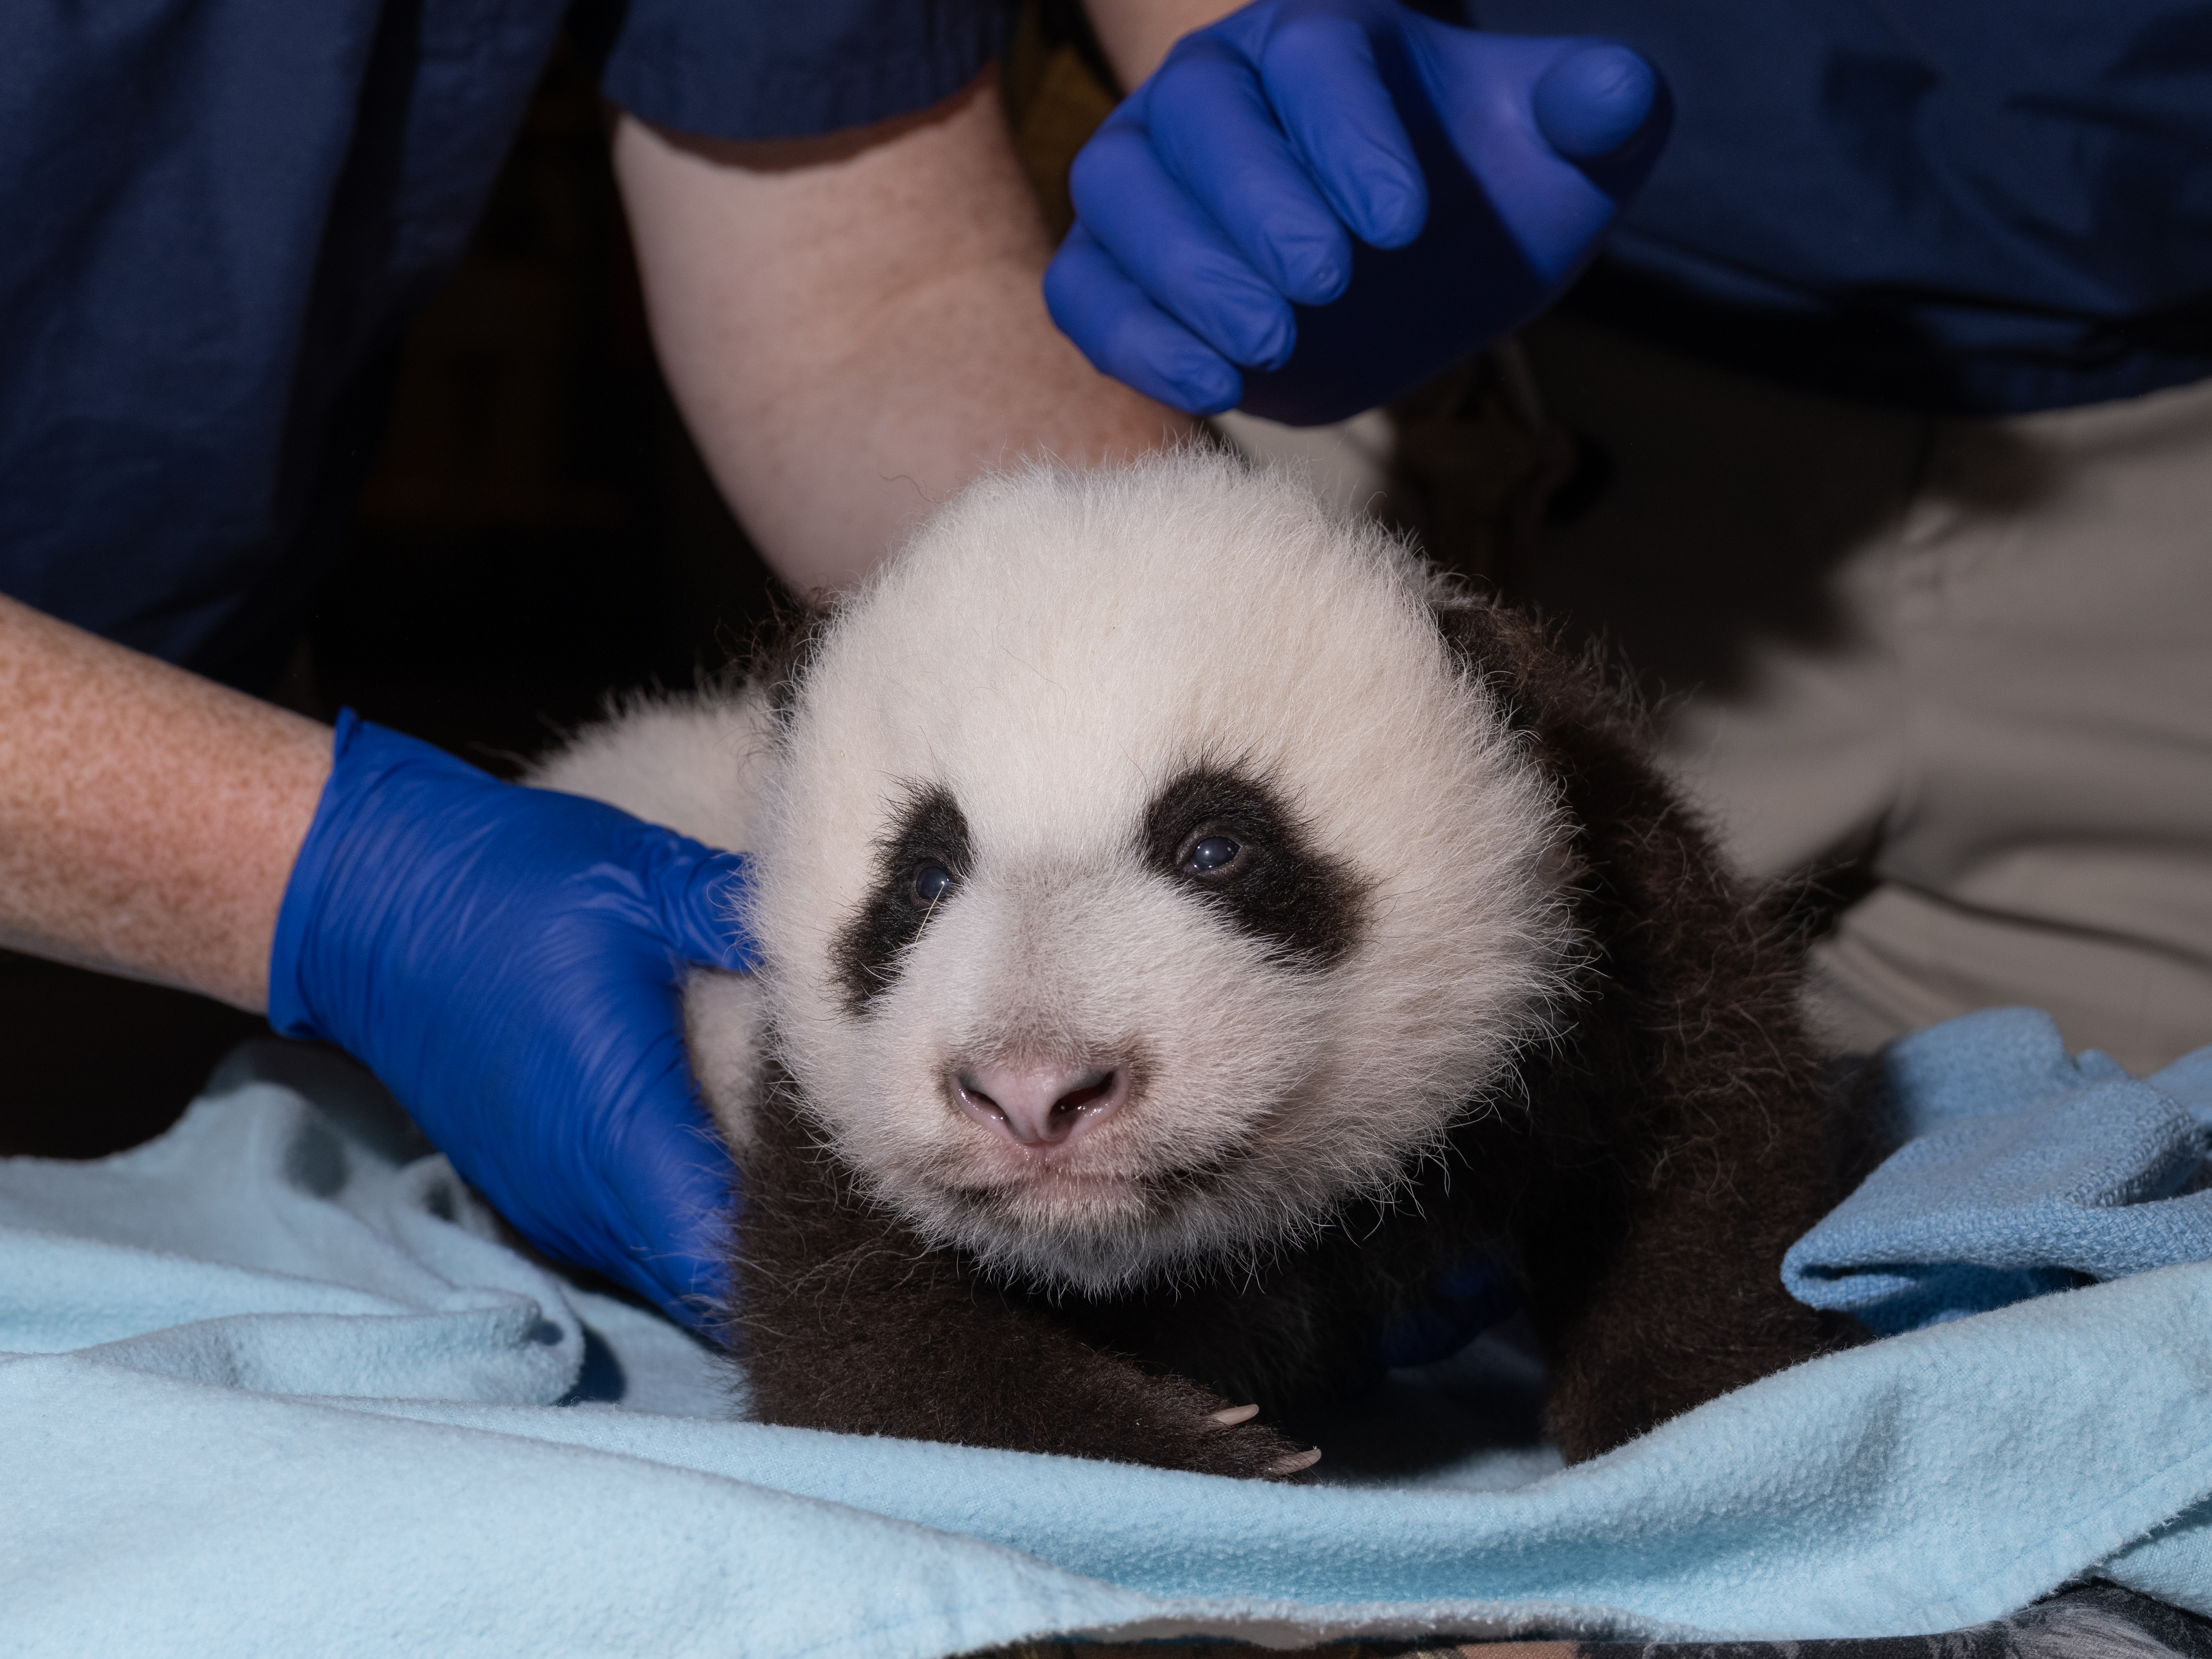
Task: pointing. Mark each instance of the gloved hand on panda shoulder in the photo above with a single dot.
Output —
(508, 961)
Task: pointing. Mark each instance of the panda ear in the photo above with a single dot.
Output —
(1563, 703)
(1588, 734)
(783, 646)
(1656, 892)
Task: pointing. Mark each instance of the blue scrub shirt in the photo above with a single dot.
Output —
(215, 214)
(1976, 206)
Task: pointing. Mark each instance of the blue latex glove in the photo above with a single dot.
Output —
(1344, 196)
(507, 961)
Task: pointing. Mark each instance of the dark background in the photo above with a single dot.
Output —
(536, 531)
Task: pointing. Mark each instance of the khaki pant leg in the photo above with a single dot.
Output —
(1983, 648)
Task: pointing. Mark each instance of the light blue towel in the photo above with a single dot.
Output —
(2030, 1171)
(274, 1387)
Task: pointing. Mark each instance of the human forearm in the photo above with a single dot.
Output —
(1135, 35)
(853, 328)
(148, 818)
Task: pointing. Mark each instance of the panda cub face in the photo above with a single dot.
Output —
(1142, 876)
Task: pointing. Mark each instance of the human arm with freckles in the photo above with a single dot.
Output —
(1309, 206)
(853, 325)
(506, 960)
(148, 818)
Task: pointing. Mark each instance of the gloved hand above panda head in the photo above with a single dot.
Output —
(1313, 205)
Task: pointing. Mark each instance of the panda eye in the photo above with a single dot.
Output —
(930, 883)
(1212, 854)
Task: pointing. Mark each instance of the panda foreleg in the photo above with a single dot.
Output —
(845, 1320)
(1653, 1338)
(1656, 1276)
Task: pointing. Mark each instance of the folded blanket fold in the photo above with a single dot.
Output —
(2025, 1170)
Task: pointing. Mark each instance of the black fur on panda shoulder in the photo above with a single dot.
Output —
(1673, 1143)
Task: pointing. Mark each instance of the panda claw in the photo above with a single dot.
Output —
(1234, 1415)
(1295, 1463)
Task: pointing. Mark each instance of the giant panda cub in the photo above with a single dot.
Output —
(1189, 928)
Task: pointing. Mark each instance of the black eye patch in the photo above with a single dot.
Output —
(920, 864)
(1228, 840)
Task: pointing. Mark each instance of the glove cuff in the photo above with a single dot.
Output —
(287, 1005)
(362, 755)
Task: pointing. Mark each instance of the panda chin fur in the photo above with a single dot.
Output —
(1311, 920)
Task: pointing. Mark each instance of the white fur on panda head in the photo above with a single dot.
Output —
(1142, 875)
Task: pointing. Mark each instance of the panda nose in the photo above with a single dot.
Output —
(1040, 1104)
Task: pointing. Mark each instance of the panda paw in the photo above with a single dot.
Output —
(1176, 1425)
